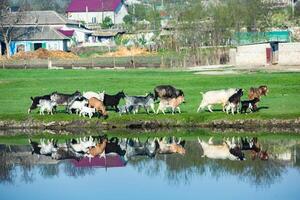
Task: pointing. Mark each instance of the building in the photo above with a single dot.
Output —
(95, 11)
(274, 48)
(44, 29)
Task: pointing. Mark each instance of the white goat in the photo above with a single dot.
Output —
(46, 105)
(78, 105)
(87, 111)
(90, 94)
(48, 148)
(216, 151)
(216, 97)
(170, 103)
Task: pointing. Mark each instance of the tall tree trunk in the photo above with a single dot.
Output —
(7, 43)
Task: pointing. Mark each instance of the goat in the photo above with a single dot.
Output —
(170, 103)
(87, 111)
(65, 99)
(113, 100)
(36, 101)
(99, 106)
(134, 102)
(78, 105)
(258, 92)
(234, 101)
(221, 151)
(172, 147)
(99, 149)
(167, 91)
(216, 97)
(90, 94)
(46, 105)
(250, 104)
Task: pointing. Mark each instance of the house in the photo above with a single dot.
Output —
(264, 48)
(95, 11)
(44, 29)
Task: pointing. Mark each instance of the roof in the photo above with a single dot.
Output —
(93, 5)
(107, 33)
(109, 161)
(244, 38)
(41, 18)
(68, 33)
(37, 33)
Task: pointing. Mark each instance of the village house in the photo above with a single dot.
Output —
(95, 11)
(265, 48)
(45, 29)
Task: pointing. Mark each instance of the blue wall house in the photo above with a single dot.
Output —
(33, 38)
(44, 29)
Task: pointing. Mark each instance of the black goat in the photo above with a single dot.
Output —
(36, 101)
(113, 100)
(35, 149)
(234, 101)
(167, 91)
(250, 104)
(65, 99)
(113, 147)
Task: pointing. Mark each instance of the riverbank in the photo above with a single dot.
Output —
(79, 126)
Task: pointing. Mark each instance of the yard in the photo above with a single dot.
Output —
(17, 86)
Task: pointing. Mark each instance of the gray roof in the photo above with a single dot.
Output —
(41, 18)
(37, 33)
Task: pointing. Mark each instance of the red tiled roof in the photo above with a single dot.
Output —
(111, 161)
(68, 33)
(93, 5)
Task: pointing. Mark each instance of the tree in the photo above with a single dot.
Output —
(9, 25)
(107, 23)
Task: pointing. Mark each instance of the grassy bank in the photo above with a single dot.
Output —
(16, 87)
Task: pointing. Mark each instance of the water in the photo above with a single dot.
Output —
(171, 176)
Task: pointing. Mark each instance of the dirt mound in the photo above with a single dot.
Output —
(44, 54)
(124, 52)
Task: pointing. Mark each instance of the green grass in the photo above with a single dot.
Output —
(16, 87)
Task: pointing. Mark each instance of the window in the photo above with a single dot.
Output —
(94, 20)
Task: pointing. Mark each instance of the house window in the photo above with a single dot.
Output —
(94, 20)
(37, 46)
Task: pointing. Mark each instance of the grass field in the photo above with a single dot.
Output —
(16, 87)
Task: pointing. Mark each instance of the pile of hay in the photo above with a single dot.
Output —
(124, 52)
(44, 54)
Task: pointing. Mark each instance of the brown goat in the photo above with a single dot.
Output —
(258, 92)
(98, 149)
(99, 106)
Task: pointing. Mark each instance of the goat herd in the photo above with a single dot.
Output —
(91, 103)
(95, 146)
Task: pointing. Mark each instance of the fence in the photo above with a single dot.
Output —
(156, 61)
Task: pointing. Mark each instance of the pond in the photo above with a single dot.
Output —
(165, 176)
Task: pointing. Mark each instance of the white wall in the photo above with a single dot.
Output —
(120, 15)
(289, 54)
(254, 55)
(87, 17)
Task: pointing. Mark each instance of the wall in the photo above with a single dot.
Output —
(28, 45)
(254, 55)
(88, 16)
(289, 54)
(117, 16)
(120, 14)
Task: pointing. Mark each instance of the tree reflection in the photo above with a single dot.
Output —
(174, 168)
(179, 169)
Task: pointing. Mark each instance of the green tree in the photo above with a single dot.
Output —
(107, 23)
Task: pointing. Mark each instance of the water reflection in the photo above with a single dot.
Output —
(173, 168)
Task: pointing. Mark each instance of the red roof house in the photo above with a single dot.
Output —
(94, 11)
